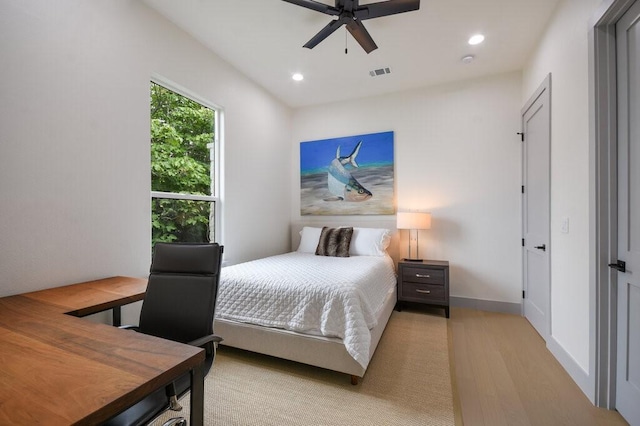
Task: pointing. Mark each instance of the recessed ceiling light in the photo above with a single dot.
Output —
(476, 39)
(297, 77)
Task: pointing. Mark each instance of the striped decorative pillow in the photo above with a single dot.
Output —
(334, 242)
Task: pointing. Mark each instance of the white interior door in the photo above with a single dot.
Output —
(536, 125)
(628, 362)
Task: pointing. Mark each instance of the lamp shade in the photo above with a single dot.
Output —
(413, 220)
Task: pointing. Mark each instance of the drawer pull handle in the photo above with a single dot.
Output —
(423, 276)
(423, 291)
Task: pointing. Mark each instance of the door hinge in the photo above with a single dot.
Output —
(521, 136)
(523, 294)
(523, 242)
(523, 189)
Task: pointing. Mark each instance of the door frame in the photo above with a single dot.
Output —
(603, 195)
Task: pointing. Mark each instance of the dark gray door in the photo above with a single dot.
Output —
(536, 126)
(628, 362)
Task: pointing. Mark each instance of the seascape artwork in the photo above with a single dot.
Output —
(350, 175)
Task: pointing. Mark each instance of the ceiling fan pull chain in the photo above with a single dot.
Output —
(345, 40)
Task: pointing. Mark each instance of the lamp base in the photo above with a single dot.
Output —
(412, 260)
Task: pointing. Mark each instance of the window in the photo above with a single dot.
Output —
(184, 166)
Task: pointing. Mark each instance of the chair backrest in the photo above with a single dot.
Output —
(181, 295)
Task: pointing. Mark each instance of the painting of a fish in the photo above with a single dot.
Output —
(355, 184)
(342, 184)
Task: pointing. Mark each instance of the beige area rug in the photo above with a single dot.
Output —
(408, 382)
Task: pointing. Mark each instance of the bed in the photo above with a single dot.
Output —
(325, 311)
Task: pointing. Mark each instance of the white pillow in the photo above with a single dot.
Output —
(364, 241)
(369, 242)
(309, 238)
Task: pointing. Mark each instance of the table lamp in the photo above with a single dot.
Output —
(413, 221)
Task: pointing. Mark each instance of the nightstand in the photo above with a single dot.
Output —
(425, 282)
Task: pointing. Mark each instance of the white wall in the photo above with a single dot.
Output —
(563, 52)
(457, 155)
(74, 142)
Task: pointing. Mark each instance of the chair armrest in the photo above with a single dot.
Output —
(206, 339)
(198, 342)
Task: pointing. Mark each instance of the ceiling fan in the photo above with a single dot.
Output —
(350, 13)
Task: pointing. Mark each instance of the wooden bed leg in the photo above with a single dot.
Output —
(354, 380)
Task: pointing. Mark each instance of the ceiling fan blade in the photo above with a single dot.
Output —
(385, 8)
(317, 6)
(360, 33)
(324, 33)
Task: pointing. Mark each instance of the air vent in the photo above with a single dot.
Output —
(381, 71)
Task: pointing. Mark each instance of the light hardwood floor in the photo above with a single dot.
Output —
(504, 375)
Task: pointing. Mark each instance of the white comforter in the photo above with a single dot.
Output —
(328, 296)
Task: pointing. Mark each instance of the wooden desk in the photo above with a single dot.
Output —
(57, 369)
(92, 297)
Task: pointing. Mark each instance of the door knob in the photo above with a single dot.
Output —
(542, 247)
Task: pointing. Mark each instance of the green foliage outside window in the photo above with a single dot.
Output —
(181, 129)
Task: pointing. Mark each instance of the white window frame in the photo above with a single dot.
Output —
(214, 155)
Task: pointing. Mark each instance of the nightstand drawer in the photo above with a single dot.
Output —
(423, 275)
(423, 292)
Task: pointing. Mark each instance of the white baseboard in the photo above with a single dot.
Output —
(486, 305)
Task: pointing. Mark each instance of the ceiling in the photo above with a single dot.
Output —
(263, 39)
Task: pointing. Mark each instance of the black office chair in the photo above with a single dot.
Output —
(179, 305)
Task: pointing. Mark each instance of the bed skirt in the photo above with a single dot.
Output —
(319, 351)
